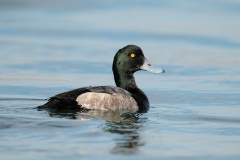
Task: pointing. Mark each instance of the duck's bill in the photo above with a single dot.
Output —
(148, 67)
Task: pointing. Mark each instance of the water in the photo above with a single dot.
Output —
(51, 47)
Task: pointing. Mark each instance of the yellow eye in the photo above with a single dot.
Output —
(132, 55)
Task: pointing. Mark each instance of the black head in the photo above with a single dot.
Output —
(128, 59)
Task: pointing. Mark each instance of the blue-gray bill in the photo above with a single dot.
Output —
(148, 67)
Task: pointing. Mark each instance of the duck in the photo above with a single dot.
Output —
(125, 95)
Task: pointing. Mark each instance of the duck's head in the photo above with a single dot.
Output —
(131, 59)
(128, 60)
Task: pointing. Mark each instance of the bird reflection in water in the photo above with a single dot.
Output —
(125, 124)
(127, 133)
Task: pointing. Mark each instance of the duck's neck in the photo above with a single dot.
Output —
(126, 81)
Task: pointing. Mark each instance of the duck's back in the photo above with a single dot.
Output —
(101, 97)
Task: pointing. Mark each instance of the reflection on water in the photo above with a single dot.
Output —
(126, 124)
(129, 139)
(48, 47)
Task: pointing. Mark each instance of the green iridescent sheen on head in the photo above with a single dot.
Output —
(127, 61)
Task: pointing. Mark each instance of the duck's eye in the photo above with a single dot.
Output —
(132, 55)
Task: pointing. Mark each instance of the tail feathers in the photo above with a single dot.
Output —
(60, 104)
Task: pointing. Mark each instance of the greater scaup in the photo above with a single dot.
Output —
(126, 62)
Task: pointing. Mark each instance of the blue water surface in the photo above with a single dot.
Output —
(49, 47)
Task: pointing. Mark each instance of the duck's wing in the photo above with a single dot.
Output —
(64, 100)
(68, 99)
